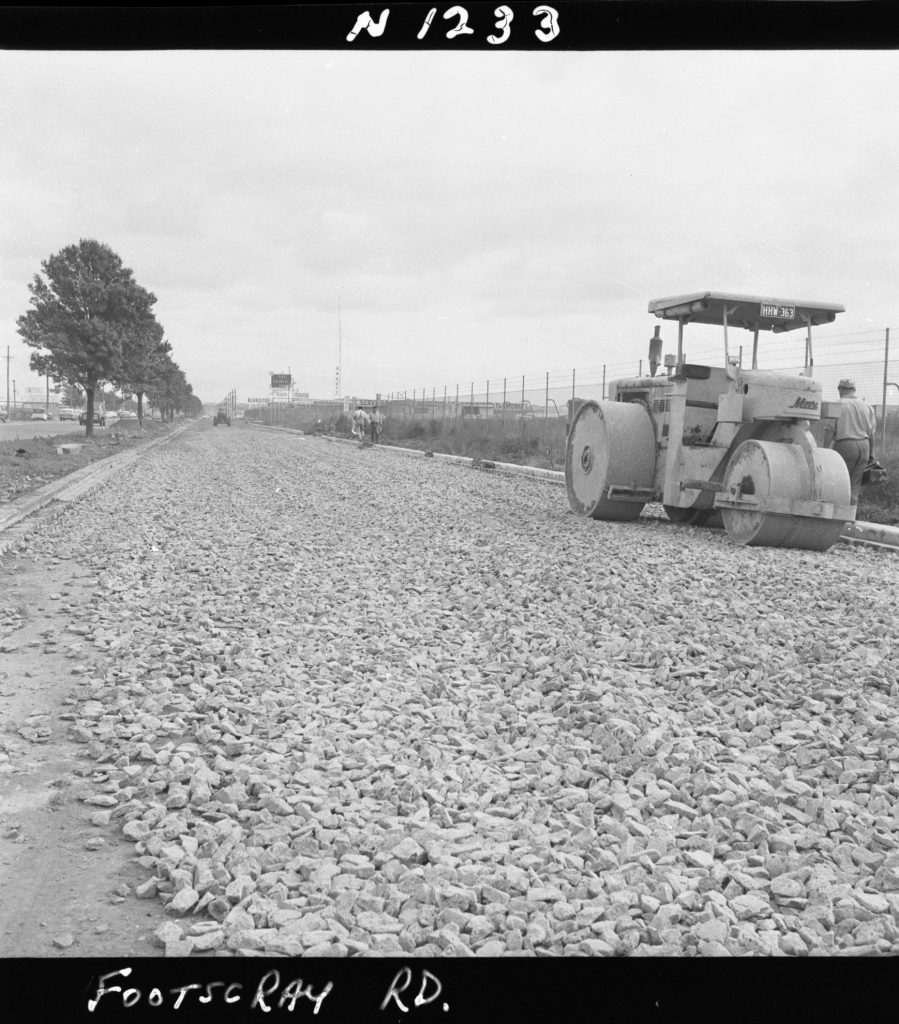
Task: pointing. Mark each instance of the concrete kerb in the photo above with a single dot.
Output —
(75, 485)
(534, 472)
(875, 535)
(885, 538)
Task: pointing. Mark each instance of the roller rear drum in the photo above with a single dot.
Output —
(610, 460)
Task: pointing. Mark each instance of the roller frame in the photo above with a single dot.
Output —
(787, 507)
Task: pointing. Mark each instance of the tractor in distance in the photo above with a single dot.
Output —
(716, 445)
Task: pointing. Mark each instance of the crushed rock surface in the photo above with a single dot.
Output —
(346, 703)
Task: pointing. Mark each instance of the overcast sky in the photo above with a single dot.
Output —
(480, 214)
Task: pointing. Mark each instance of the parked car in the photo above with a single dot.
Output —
(67, 413)
(40, 414)
(99, 418)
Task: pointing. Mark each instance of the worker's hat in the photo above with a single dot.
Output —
(846, 384)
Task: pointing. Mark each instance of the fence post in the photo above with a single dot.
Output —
(443, 429)
(487, 406)
(886, 364)
(503, 419)
(522, 409)
(546, 402)
(604, 381)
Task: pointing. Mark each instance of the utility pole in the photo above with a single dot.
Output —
(8, 360)
(886, 365)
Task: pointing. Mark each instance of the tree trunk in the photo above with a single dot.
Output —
(89, 423)
(140, 408)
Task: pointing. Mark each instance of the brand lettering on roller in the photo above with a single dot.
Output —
(804, 403)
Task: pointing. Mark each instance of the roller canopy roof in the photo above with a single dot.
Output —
(749, 311)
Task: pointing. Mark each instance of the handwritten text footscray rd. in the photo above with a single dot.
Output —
(268, 993)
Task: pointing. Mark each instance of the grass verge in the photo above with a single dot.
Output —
(26, 465)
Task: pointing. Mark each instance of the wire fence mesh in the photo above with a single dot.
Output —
(531, 411)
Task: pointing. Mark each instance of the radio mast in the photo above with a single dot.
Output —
(339, 345)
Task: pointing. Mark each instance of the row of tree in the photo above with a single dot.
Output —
(91, 324)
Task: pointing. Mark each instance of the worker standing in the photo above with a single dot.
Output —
(376, 421)
(854, 436)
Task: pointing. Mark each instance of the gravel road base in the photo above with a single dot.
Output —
(347, 704)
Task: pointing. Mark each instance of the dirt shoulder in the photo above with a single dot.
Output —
(28, 465)
(68, 884)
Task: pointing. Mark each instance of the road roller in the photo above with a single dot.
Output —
(722, 446)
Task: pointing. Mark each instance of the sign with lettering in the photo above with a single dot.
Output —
(775, 312)
(281, 380)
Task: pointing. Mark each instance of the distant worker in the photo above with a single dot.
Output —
(854, 437)
(360, 423)
(376, 422)
(655, 352)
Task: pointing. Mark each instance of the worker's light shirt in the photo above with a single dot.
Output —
(856, 421)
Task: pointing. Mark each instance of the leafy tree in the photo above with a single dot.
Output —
(193, 406)
(170, 391)
(147, 359)
(81, 310)
(143, 351)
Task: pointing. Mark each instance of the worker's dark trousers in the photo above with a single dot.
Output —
(855, 455)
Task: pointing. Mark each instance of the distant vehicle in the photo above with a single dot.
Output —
(40, 415)
(67, 413)
(99, 418)
(221, 417)
(127, 414)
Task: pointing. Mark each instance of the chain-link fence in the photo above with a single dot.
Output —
(534, 405)
(526, 416)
